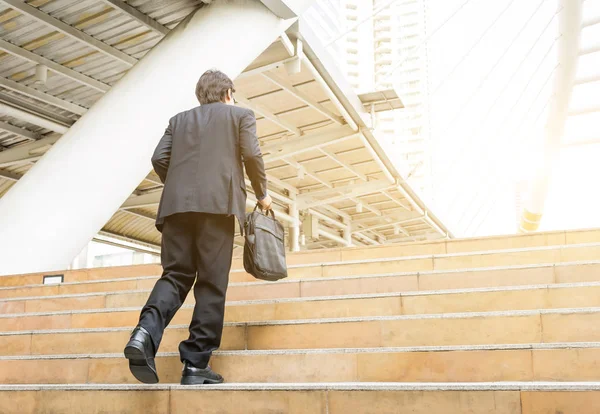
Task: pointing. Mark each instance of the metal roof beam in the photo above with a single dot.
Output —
(395, 200)
(295, 146)
(390, 217)
(22, 132)
(152, 199)
(588, 79)
(347, 166)
(53, 66)
(367, 239)
(270, 66)
(41, 96)
(144, 200)
(581, 143)
(287, 86)
(274, 194)
(590, 22)
(259, 109)
(337, 211)
(327, 219)
(26, 153)
(332, 96)
(334, 237)
(32, 118)
(367, 206)
(348, 188)
(584, 111)
(9, 175)
(153, 179)
(142, 18)
(151, 247)
(70, 31)
(308, 200)
(309, 173)
(287, 44)
(590, 49)
(139, 214)
(287, 9)
(357, 229)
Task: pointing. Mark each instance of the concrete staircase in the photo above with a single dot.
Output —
(505, 325)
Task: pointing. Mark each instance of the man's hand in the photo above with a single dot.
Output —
(266, 202)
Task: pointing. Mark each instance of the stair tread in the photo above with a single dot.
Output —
(390, 259)
(414, 349)
(334, 386)
(457, 315)
(314, 298)
(330, 278)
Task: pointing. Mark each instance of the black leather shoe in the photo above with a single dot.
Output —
(140, 353)
(197, 376)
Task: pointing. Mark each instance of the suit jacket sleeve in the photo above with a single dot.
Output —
(162, 154)
(251, 154)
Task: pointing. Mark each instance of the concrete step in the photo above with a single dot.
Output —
(529, 362)
(521, 241)
(476, 328)
(440, 262)
(119, 292)
(388, 304)
(318, 398)
(357, 263)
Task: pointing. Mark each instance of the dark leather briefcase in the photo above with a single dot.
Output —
(264, 247)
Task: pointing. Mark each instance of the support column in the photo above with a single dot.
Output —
(569, 22)
(81, 261)
(56, 208)
(294, 228)
(348, 232)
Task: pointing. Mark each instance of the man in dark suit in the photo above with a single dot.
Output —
(199, 160)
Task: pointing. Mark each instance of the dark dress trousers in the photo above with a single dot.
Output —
(200, 160)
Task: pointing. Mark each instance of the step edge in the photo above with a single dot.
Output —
(321, 351)
(456, 315)
(381, 260)
(261, 283)
(303, 299)
(439, 255)
(331, 386)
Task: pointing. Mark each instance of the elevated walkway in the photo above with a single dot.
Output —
(325, 167)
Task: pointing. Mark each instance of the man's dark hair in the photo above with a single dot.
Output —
(213, 86)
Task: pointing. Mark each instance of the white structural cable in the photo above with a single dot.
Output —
(482, 122)
(357, 25)
(415, 49)
(513, 133)
(521, 122)
(467, 101)
(477, 42)
(512, 140)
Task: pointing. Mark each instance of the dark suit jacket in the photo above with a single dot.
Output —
(199, 160)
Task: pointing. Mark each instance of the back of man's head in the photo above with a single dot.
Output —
(213, 86)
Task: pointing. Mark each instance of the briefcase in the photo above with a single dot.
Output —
(264, 247)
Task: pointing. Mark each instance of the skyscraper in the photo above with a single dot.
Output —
(370, 39)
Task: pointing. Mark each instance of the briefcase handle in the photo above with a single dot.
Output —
(261, 209)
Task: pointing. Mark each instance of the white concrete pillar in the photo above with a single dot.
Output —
(81, 261)
(570, 20)
(57, 207)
